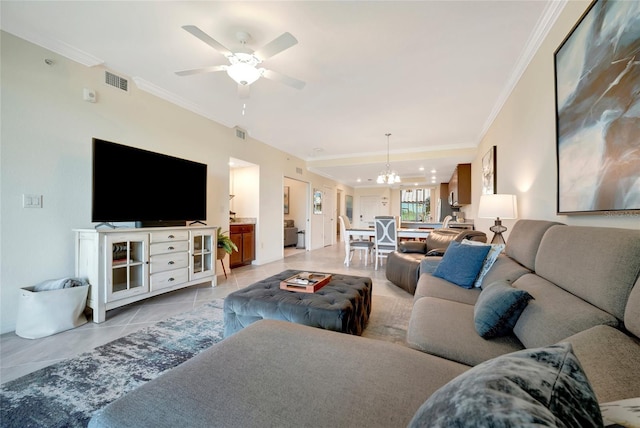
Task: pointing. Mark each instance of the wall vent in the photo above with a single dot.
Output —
(299, 170)
(116, 81)
(241, 133)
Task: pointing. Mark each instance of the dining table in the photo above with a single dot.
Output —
(369, 233)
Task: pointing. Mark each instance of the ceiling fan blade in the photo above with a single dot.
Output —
(287, 80)
(285, 41)
(207, 39)
(202, 70)
(243, 91)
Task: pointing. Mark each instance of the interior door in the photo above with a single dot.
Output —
(329, 216)
(369, 209)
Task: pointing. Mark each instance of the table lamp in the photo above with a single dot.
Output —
(499, 207)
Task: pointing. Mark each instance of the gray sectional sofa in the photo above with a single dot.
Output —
(585, 286)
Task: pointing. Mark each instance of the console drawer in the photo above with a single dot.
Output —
(169, 279)
(168, 247)
(164, 262)
(168, 236)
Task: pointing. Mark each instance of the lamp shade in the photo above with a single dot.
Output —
(498, 206)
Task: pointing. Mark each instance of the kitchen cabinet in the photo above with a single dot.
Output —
(460, 186)
(243, 235)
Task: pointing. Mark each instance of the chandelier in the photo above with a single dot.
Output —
(388, 176)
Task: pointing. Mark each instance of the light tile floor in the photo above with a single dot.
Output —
(20, 356)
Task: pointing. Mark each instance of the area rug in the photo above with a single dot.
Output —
(389, 319)
(67, 394)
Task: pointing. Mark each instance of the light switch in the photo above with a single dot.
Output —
(31, 201)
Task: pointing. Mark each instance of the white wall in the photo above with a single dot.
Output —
(46, 149)
(524, 133)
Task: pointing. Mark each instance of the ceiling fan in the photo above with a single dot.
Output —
(243, 67)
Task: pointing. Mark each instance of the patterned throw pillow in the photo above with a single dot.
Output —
(543, 387)
(461, 264)
(498, 308)
(494, 252)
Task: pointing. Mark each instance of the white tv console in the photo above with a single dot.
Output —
(127, 265)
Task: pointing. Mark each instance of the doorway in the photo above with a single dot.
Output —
(296, 212)
(369, 209)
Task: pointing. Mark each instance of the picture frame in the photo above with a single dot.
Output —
(348, 202)
(597, 152)
(286, 199)
(317, 201)
(489, 179)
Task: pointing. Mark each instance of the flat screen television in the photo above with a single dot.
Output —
(152, 189)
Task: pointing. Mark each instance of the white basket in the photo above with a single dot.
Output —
(44, 313)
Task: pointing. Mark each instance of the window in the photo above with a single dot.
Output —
(415, 204)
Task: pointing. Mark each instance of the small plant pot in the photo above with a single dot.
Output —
(221, 254)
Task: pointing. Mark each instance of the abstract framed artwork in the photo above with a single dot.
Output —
(489, 172)
(348, 202)
(286, 199)
(597, 88)
(317, 201)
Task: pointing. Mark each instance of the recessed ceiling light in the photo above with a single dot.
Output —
(433, 171)
(421, 168)
(433, 177)
(358, 180)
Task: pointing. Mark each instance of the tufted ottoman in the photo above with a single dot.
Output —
(343, 305)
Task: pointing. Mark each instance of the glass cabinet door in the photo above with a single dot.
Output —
(203, 248)
(126, 265)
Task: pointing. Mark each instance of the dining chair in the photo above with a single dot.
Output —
(386, 239)
(351, 244)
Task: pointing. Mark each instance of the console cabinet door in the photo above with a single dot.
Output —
(203, 252)
(126, 265)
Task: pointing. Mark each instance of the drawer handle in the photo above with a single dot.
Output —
(171, 279)
(171, 236)
(171, 262)
(170, 248)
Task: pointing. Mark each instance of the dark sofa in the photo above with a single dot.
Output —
(403, 266)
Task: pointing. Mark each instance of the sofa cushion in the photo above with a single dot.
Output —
(504, 269)
(524, 239)
(461, 264)
(632, 311)
(597, 264)
(445, 328)
(610, 359)
(533, 387)
(275, 373)
(498, 308)
(412, 247)
(554, 314)
(431, 286)
(493, 254)
(440, 239)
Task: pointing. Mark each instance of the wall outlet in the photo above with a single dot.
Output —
(31, 201)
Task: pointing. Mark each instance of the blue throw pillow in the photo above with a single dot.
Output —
(542, 387)
(461, 264)
(498, 308)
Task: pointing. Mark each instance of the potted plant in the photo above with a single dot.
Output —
(225, 245)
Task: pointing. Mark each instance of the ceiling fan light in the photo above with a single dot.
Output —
(244, 74)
